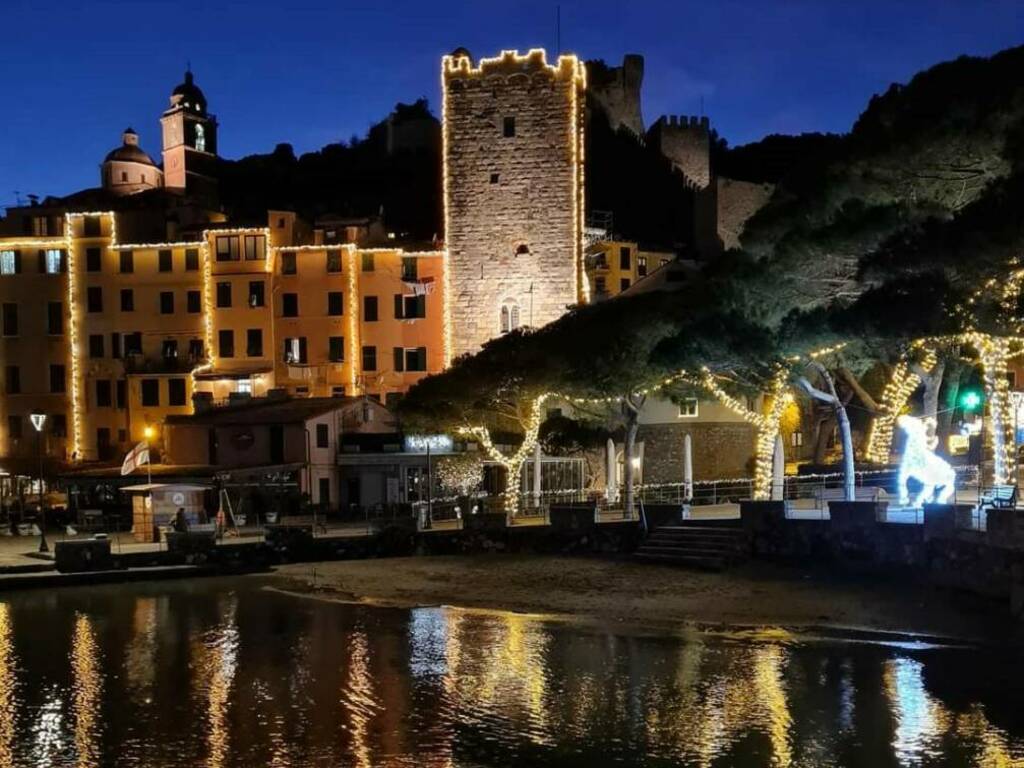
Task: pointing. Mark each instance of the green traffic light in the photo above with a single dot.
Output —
(970, 400)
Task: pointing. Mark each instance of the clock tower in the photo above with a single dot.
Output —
(189, 141)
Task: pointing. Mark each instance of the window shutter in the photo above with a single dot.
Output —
(17, 262)
(398, 306)
(421, 305)
(302, 349)
(399, 359)
(42, 262)
(421, 353)
(63, 261)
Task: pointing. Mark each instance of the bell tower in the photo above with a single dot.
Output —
(189, 141)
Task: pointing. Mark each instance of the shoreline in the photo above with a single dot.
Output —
(613, 592)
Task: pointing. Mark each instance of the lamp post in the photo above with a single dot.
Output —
(38, 420)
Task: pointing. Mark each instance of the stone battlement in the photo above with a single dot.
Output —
(684, 122)
(568, 67)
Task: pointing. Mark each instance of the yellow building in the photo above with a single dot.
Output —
(613, 266)
(133, 332)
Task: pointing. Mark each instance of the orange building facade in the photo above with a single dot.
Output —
(109, 338)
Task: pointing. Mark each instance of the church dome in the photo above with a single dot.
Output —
(129, 151)
(188, 94)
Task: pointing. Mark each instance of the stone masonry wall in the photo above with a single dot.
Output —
(737, 202)
(686, 142)
(506, 193)
(720, 450)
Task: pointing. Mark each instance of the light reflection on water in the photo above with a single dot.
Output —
(223, 673)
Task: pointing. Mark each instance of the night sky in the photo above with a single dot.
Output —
(74, 75)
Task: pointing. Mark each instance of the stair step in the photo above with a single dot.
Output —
(696, 551)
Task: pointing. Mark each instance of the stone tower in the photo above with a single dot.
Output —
(190, 141)
(513, 192)
(686, 142)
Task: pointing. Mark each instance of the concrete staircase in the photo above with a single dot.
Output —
(712, 547)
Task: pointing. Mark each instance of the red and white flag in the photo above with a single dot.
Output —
(136, 457)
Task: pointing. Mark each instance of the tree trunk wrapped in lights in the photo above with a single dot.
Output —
(993, 352)
(766, 425)
(513, 464)
(902, 384)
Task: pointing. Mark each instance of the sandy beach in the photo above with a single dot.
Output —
(623, 591)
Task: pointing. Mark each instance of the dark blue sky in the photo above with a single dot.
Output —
(75, 74)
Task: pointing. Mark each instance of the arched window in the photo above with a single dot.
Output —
(522, 250)
(509, 316)
(200, 138)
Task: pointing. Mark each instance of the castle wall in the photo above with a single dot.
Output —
(513, 204)
(686, 142)
(737, 202)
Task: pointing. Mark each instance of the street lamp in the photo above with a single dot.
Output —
(38, 420)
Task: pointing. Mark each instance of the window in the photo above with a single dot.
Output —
(121, 390)
(57, 379)
(244, 386)
(522, 249)
(255, 247)
(166, 302)
(195, 350)
(411, 359)
(10, 319)
(127, 262)
(641, 266)
(14, 427)
(55, 318)
(688, 408)
(226, 343)
(165, 261)
(323, 437)
(288, 264)
(124, 175)
(623, 283)
(508, 127)
(12, 380)
(254, 342)
(369, 358)
(115, 345)
(409, 307)
(227, 248)
(150, 393)
(223, 295)
(334, 261)
(509, 317)
(335, 303)
(494, 178)
(59, 425)
(368, 265)
(336, 349)
(127, 300)
(176, 392)
(10, 262)
(91, 226)
(370, 309)
(256, 295)
(53, 261)
(169, 350)
(289, 305)
(410, 269)
(191, 259)
(96, 345)
(104, 397)
(624, 257)
(133, 343)
(94, 298)
(200, 135)
(193, 302)
(796, 439)
(295, 350)
(92, 260)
